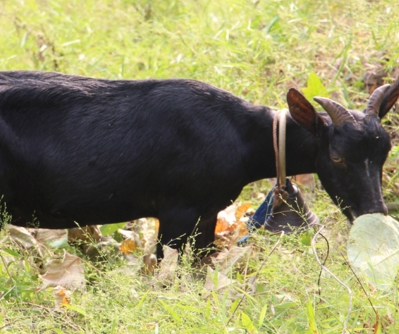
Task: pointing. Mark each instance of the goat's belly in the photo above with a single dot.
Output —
(72, 216)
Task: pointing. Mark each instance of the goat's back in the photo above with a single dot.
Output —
(100, 151)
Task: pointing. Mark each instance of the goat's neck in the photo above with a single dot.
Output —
(301, 149)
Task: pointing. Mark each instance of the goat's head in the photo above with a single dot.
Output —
(352, 148)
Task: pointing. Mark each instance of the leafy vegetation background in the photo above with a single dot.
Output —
(256, 50)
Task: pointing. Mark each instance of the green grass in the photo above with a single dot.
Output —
(256, 50)
(120, 300)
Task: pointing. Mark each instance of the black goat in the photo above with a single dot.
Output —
(102, 151)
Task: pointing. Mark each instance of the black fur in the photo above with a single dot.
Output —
(102, 151)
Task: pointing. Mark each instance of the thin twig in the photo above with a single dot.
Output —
(335, 277)
(252, 280)
(325, 260)
(44, 308)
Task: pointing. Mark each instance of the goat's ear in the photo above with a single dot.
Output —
(303, 112)
(390, 98)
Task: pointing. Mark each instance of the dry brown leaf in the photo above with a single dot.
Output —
(62, 296)
(67, 272)
(226, 218)
(142, 233)
(242, 229)
(129, 234)
(132, 241)
(213, 283)
(231, 225)
(241, 210)
(227, 258)
(49, 236)
(168, 266)
(85, 234)
(224, 227)
(145, 230)
(22, 236)
(226, 232)
(106, 250)
(150, 263)
(128, 246)
(217, 283)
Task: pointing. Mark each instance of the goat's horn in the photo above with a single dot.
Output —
(376, 99)
(339, 115)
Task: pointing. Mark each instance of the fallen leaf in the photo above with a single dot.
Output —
(241, 210)
(107, 249)
(85, 234)
(227, 258)
(128, 246)
(150, 263)
(242, 229)
(67, 272)
(22, 236)
(146, 230)
(53, 238)
(231, 225)
(226, 220)
(168, 266)
(373, 249)
(217, 282)
(26, 240)
(62, 296)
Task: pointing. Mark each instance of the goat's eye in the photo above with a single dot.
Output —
(337, 159)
